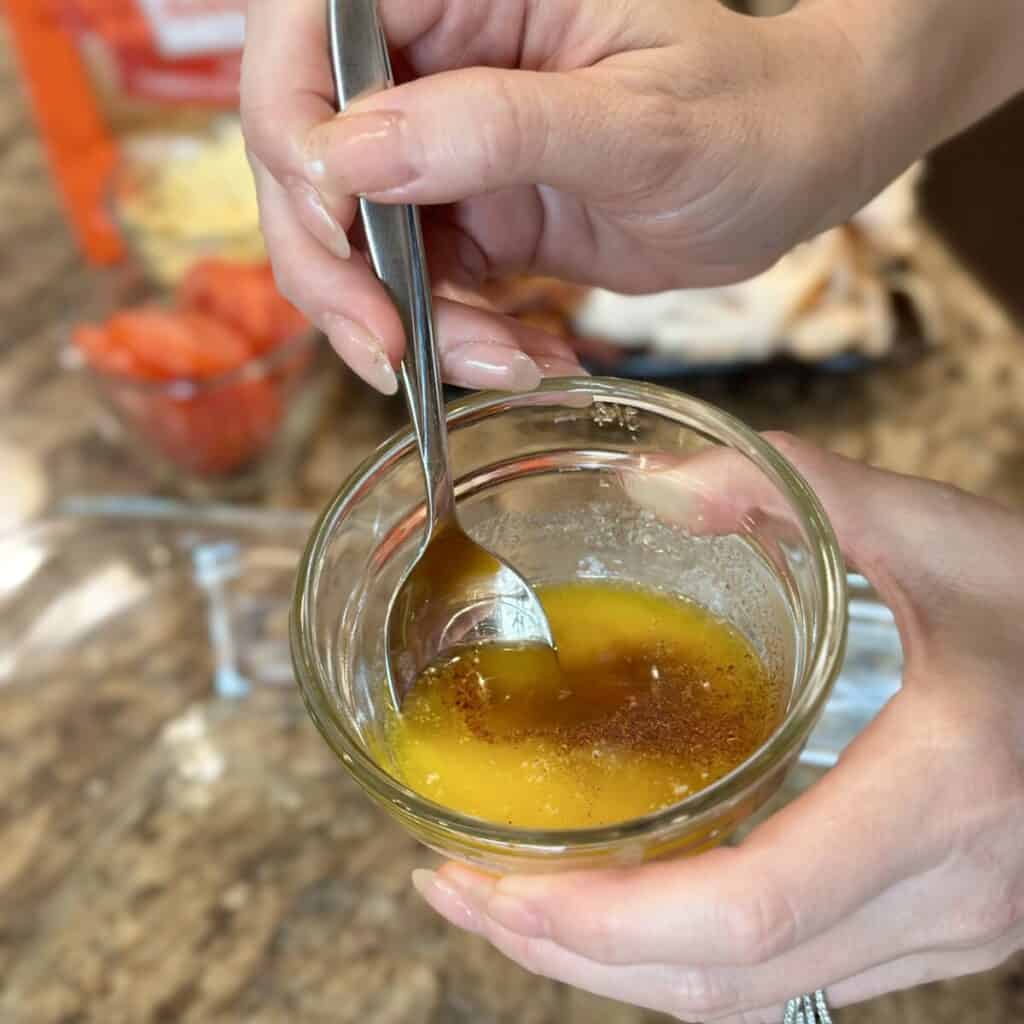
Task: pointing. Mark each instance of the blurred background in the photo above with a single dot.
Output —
(169, 426)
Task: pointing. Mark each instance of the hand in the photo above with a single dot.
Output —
(641, 145)
(904, 864)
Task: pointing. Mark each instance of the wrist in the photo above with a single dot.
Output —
(817, 88)
(925, 70)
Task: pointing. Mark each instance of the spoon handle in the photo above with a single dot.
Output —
(360, 63)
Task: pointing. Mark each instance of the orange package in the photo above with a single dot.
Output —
(99, 72)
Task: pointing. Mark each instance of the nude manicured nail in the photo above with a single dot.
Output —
(559, 366)
(360, 154)
(493, 899)
(362, 351)
(486, 365)
(472, 895)
(447, 900)
(473, 885)
(515, 915)
(317, 218)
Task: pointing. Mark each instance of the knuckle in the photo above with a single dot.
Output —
(647, 152)
(760, 927)
(509, 137)
(664, 125)
(662, 112)
(700, 993)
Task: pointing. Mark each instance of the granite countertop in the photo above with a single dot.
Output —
(167, 858)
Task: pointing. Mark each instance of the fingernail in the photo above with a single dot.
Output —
(313, 212)
(362, 351)
(360, 154)
(553, 366)
(446, 900)
(487, 895)
(486, 365)
(669, 492)
(516, 915)
(422, 880)
(474, 886)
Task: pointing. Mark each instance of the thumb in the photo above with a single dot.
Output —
(873, 513)
(945, 561)
(458, 134)
(941, 559)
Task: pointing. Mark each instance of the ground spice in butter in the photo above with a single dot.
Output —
(652, 699)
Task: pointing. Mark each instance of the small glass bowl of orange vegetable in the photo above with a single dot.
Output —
(583, 482)
(216, 386)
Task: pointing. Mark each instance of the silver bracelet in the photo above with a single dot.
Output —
(807, 1010)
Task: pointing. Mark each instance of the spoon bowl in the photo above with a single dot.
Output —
(457, 593)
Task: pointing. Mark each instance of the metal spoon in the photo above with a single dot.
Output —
(456, 593)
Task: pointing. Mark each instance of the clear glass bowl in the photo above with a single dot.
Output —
(180, 198)
(226, 436)
(596, 479)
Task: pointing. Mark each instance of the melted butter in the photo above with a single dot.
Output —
(650, 700)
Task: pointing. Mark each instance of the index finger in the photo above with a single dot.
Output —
(286, 87)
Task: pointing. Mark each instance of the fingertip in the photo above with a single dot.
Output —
(484, 349)
(313, 213)
(342, 298)
(359, 152)
(484, 365)
(446, 899)
(362, 351)
(476, 885)
(423, 881)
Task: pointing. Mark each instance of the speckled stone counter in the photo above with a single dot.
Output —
(137, 886)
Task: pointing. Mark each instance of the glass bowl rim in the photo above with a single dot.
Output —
(822, 667)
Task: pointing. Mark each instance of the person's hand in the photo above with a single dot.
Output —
(641, 145)
(904, 864)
